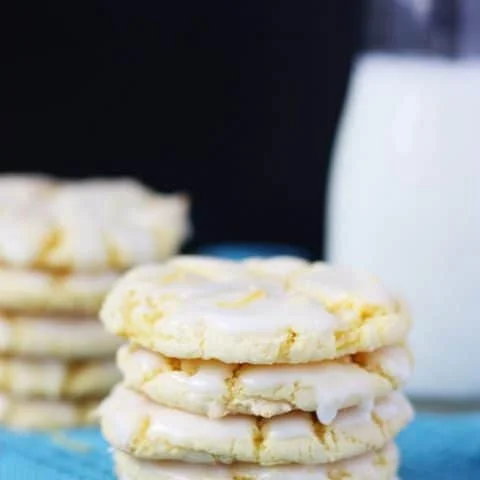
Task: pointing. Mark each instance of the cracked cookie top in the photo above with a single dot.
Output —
(259, 311)
(88, 225)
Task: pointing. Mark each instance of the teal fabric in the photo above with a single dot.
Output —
(238, 251)
(441, 447)
(68, 455)
(434, 447)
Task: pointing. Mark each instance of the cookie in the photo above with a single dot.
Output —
(57, 337)
(280, 310)
(55, 379)
(38, 414)
(379, 465)
(33, 291)
(132, 423)
(215, 389)
(88, 225)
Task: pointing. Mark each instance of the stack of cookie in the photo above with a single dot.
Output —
(262, 369)
(62, 245)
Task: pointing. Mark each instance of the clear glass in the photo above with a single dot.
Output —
(404, 191)
(448, 28)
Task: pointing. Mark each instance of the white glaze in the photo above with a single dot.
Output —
(336, 284)
(34, 414)
(66, 337)
(52, 374)
(35, 290)
(363, 467)
(174, 424)
(46, 378)
(89, 214)
(124, 408)
(334, 384)
(6, 335)
(265, 296)
(389, 408)
(276, 267)
(272, 314)
(394, 361)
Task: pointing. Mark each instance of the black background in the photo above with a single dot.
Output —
(234, 102)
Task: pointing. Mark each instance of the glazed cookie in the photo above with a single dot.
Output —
(55, 379)
(136, 425)
(280, 310)
(379, 465)
(216, 389)
(58, 337)
(33, 291)
(90, 225)
(36, 414)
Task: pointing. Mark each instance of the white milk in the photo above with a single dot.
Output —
(405, 204)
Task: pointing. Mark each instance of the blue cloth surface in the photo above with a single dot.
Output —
(238, 251)
(434, 447)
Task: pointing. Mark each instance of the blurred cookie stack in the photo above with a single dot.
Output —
(267, 369)
(62, 245)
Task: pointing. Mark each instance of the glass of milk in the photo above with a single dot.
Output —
(404, 191)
